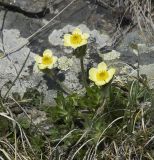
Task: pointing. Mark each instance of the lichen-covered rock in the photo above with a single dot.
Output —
(65, 63)
(33, 116)
(11, 65)
(145, 51)
(149, 71)
(110, 55)
(32, 6)
(101, 40)
(68, 64)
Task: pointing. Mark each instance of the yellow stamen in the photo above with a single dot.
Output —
(102, 76)
(47, 60)
(76, 39)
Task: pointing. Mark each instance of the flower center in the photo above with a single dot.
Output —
(47, 60)
(102, 76)
(76, 39)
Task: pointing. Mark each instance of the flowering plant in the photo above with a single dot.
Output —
(47, 61)
(101, 121)
(76, 39)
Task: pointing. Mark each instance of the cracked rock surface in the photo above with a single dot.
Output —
(32, 6)
(88, 17)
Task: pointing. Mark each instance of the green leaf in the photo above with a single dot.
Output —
(80, 51)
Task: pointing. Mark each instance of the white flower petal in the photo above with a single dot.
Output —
(38, 59)
(42, 66)
(50, 66)
(77, 31)
(67, 40)
(47, 53)
(111, 72)
(92, 74)
(100, 83)
(102, 66)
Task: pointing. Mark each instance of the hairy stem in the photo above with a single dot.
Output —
(83, 73)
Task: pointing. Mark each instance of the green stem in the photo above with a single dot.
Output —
(62, 86)
(83, 73)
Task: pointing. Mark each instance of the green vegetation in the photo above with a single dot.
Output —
(109, 120)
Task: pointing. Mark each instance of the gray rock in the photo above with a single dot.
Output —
(146, 58)
(33, 115)
(37, 116)
(11, 65)
(32, 6)
(149, 71)
(18, 26)
(101, 40)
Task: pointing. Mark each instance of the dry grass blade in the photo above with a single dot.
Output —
(22, 133)
(7, 156)
(80, 148)
(37, 32)
(67, 135)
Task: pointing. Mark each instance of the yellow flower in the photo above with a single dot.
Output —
(101, 75)
(76, 39)
(46, 61)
